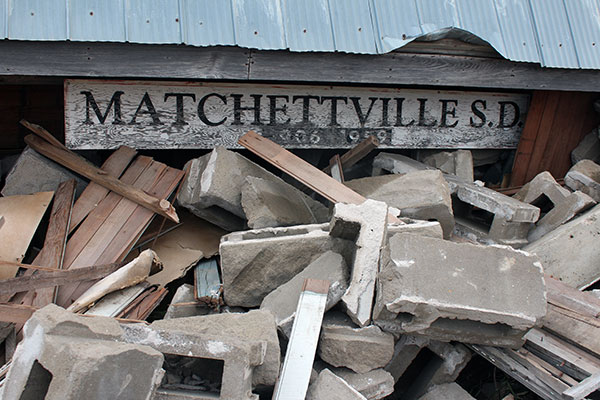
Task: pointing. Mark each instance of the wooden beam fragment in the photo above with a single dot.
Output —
(80, 165)
(335, 168)
(356, 153)
(15, 313)
(43, 133)
(50, 278)
(583, 388)
(306, 173)
(297, 366)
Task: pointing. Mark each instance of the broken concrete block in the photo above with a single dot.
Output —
(361, 349)
(562, 212)
(366, 224)
(184, 304)
(256, 262)
(585, 176)
(283, 301)
(422, 195)
(587, 149)
(33, 173)
(396, 164)
(252, 327)
(543, 184)
(69, 357)
(447, 391)
(459, 163)
(570, 252)
(455, 358)
(406, 350)
(458, 291)
(375, 384)
(270, 203)
(331, 387)
(416, 227)
(212, 188)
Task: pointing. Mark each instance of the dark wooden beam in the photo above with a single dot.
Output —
(21, 59)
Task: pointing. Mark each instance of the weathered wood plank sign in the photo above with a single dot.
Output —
(104, 114)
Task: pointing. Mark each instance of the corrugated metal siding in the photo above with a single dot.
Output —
(555, 33)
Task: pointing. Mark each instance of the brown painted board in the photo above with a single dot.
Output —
(80, 165)
(356, 153)
(22, 214)
(114, 165)
(15, 313)
(306, 173)
(141, 309)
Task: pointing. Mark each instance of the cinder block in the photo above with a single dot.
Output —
(458, 291)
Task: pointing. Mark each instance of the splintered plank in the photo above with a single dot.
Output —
(335, 169)
(114, 165)
(80, 165)
(297, 365)
(356, 153)
(120, 234)
(22, 215)
(306, 173)
(53, 251)
(575, 328)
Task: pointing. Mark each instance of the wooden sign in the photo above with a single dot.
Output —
(104, 114)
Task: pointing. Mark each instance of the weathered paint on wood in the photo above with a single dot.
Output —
(207, 283)
(161, 115)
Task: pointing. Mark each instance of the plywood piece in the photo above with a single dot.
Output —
(15, 313)
(22, 216)
(579, 330)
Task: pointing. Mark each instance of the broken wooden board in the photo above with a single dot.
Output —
(208, 287)
(15, 313)
(182, 248)
(356, 153)
(114, 303)
(297, 365)
(144, 304)
(81, 166)
(335, 168)
(22, 215)
(306, 173)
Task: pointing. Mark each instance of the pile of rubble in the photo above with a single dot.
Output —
(387, 293)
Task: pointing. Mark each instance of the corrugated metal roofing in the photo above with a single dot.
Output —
(555, 33)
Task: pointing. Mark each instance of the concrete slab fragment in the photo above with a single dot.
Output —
(587, 149)
(585, 176)
(342, 344)
(555, 250)
(375, 384)
(331, 387)
(421, 195)
(282, 302)
(366, 224)
(459, 163)
(458, 291)
(396, 164)
(256, 262)
(447, 391)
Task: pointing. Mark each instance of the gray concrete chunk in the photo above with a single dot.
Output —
(256, 262)
(571, 252)
(543, 184)
(587, 149)
(366, 224)
(585, 176)
(375, 384)
(283, 301)
(396, 164)
(421, 195)
(447, 391)
(331, 387)
(342, 344)
(458, 291)
(34, 173)
(459, 163)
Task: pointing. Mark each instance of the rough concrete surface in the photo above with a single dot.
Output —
(375, 384)
(459, 163)
(342, 344)
(366, 225)
(587, 149)
(421, 195)
(447, 391)
(458, 291)
(396, 164)
(272, 203)
(331, 387)
(256, 262)
(283, 301)
(585, 176)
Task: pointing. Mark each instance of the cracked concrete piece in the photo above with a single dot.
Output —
(416, 227)
(500, 232)
(447, 391)
(366, 225)
(256, 262)
(570, 252)
(587, 149)
(455, 358)
(459, 163)
(33, 173)
(543, 184)
(271, 203)
(396, 164)
(512, 210)
(585, 176)
(212, 189)
(331, 387)
(341, 344)
(283, 301)
(255, 326)
(406, 350)
(374, 385)
(421, 195)
(189, 307)
(562, 212)
(458, 291)
(69, 357)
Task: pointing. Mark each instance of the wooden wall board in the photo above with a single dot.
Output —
(555, 124)
(22, 214)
